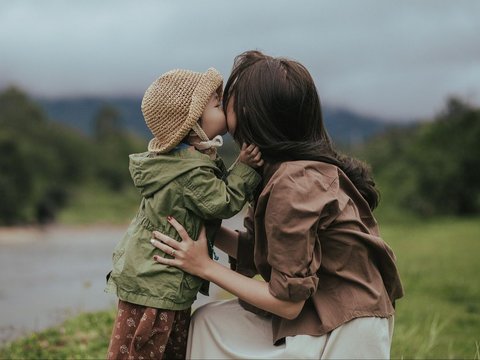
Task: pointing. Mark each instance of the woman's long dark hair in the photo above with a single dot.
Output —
(278, 109)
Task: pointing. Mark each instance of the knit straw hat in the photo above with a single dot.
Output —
(173, 104)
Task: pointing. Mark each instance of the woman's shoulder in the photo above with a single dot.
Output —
(305, 174)
(303, 188)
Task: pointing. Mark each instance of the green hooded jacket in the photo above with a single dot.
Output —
(195, 190)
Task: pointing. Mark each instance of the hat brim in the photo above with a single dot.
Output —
(154, 145)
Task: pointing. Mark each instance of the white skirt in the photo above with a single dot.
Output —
(224, 330)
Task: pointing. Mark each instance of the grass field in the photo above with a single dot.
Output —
(440, 314)
(438, 318)
(94, 203)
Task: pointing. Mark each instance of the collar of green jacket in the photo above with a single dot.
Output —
(151, 172)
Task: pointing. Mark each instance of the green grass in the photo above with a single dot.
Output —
(95, 204)
(438, 318)
(439, 264)
(83, 337)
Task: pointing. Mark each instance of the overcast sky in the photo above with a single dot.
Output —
(394, 59)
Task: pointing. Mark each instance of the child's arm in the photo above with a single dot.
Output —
(250, 155)
(213, 198)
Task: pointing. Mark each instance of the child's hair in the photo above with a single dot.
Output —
(278, 109)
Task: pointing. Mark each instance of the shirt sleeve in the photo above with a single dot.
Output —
(212, 198)
(299, 204)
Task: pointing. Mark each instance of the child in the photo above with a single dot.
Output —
(179, 176)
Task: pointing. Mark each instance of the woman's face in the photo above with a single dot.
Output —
(213, 120)
(231, 117)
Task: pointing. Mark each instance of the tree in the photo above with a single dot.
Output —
(433, 168)
(107, 123)
(41, 161)
(16, 181)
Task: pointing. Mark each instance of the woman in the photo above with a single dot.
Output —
(330, 282)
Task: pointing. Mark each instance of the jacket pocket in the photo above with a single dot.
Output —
(191, 285)
(118, 261)
(117, 254)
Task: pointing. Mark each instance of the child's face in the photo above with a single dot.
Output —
(213, 121)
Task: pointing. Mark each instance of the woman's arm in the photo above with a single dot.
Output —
(192, 257)
(253, 291)
(227, 241)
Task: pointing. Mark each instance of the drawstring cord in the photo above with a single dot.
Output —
(217, 142)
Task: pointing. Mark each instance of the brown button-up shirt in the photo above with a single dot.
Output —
(312, 237)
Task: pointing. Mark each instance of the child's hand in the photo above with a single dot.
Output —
(251, 156)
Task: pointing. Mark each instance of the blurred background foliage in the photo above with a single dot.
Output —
(44, 163)
(433, 167)
(51, 171)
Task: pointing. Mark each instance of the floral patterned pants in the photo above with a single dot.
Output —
(141, 332)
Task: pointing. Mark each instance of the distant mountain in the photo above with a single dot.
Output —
(79, 113)
(348, 128)
(344, 126)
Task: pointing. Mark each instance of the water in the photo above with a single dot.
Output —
(51, 274)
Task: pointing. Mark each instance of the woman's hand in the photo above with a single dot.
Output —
(188, 255)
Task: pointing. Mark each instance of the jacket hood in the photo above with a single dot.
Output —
(151, 172)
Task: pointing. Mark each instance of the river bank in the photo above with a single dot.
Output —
(49, 274)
